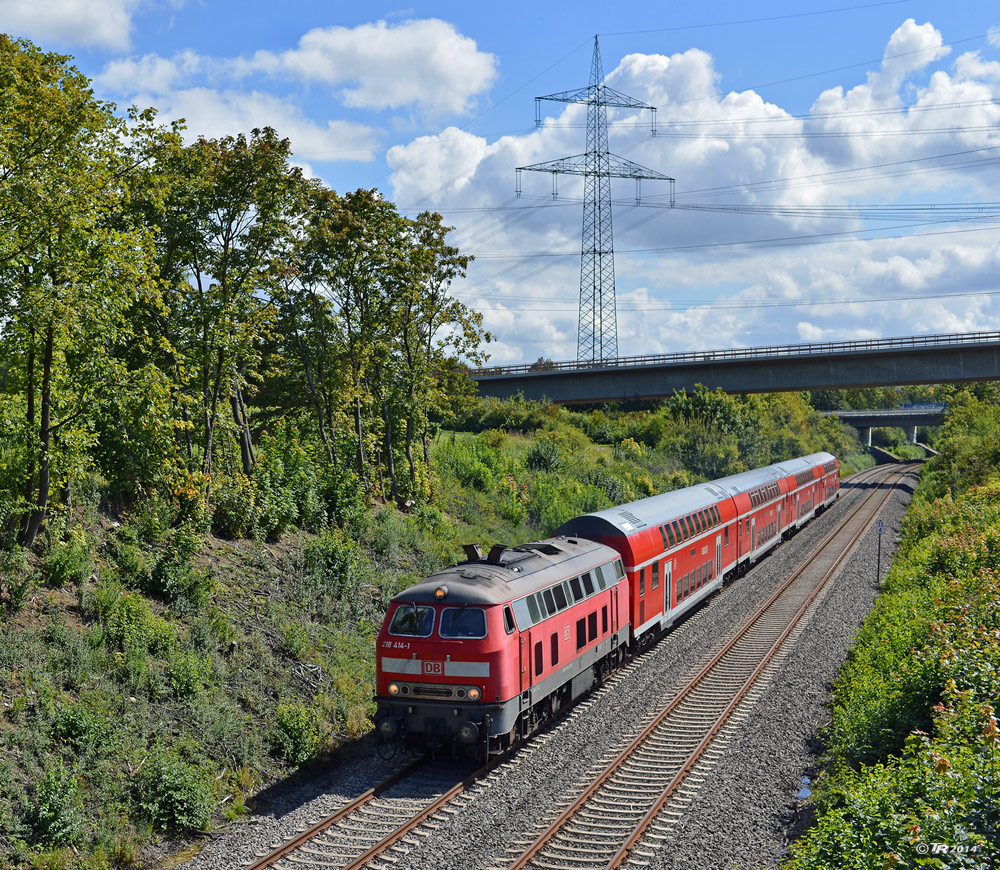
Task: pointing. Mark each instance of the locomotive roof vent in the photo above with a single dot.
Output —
(496, 551)
(547, 549)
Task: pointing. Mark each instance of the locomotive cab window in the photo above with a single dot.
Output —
(603, 576)
(459, 622)
(508, 620)
(409, 620)
(619, 569)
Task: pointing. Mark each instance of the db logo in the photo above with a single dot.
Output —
(434, 668)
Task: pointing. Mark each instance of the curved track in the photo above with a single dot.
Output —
(602, 827)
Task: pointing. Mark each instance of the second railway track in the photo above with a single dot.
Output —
(603, 825)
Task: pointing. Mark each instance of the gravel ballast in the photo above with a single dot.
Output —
(740, 815)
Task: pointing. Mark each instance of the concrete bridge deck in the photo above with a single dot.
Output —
(927, 359)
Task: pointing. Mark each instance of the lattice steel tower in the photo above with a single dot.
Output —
(598, 331)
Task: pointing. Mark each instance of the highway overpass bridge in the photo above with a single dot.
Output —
(907, 417)
(926, 359)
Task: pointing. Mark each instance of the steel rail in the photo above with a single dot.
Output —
(346, 810)
(546, 836)
(621, 855)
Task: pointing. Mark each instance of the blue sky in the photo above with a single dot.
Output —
(809, 142)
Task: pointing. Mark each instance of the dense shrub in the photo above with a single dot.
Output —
(543, 455)
(70, 560)
(56, 820)
(176, 795)
(295, 733)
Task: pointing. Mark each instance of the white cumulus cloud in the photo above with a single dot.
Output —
(425, 63)
(767, 242)
(91, 23)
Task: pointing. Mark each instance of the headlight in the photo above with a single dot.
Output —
(393, 688)
(474, 694)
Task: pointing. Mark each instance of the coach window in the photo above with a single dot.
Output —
(663, 534)
(678, 531)
(588, 584)
(642, 582)
(705, 519)
(690, 526)
(581, 633)
(508, 620)
(550, 602)
(670, 536)
(655, 575)
(560, 595)
(592, 626)
(554, 647)
(725, 537)
(699, 523)
(577, 589)
(539, 664)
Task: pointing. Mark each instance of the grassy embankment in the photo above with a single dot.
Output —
(154, 677)
(912, 771)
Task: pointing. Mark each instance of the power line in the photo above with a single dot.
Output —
(691, 305)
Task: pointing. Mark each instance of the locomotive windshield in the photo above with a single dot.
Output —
(463, 622)
(412, 621)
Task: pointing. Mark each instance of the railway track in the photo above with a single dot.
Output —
(381, 820)
(602, 828)
(378, 828)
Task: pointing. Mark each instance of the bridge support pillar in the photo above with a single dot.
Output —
(913, 435)
(868, 435)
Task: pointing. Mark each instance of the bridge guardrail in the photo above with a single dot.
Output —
(786, 350)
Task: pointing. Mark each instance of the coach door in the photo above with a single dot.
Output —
(718, 555)
(668, 584)
(525, 660)
(753, 535)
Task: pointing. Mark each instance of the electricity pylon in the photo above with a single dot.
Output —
(597, 338)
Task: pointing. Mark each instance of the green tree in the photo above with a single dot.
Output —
(69, 269)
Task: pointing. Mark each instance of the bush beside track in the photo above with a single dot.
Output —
(912, 771)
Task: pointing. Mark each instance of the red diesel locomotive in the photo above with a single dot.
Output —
(481, 653)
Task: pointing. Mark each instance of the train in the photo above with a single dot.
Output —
(477, 656)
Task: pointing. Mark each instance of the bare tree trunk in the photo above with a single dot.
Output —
(389, 458)
(239, 417)
(44, 436)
